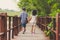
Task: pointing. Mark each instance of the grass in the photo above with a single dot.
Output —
(10, 13)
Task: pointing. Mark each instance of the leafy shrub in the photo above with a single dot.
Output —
(48, 32)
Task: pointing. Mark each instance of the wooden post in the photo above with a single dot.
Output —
(0, 28)
(3, 26)
(13, 28)
(58, 27)
(45, 24)
(15, 24)
(9, 27)
(54, 28)
(19, 23)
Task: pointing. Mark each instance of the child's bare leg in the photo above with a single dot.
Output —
(32, 29)
(24, 30)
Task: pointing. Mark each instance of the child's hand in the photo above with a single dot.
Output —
(29, 18)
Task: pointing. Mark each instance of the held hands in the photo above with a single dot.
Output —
(29, 18)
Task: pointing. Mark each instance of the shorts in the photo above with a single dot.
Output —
(33, 23)
(23, 25)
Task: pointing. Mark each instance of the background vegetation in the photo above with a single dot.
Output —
(44, 7)
(10, 12)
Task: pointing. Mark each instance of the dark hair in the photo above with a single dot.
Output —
(34, 12)
(24, 8)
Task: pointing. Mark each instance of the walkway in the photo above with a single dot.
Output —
(39, 35)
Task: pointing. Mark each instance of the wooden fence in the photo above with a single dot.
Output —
(9, 26)
(43, 22)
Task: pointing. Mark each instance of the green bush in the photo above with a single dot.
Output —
(48, 32)
(50, 25)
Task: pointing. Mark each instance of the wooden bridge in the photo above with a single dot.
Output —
(10, 28)
(39, 35)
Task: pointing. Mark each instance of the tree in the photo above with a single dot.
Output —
(44, 7)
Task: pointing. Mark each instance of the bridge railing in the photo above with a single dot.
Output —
(9, 26)
(43, 22)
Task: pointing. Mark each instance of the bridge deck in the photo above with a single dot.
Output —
(39, 35)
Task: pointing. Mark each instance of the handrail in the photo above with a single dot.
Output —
(3, 24)
(1, 33)
(43, 24)
(12, 28)
(44, 21)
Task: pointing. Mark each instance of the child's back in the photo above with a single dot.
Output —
(33, 19)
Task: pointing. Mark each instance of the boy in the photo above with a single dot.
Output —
(23, 17)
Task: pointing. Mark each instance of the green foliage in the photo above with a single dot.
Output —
(50, 25)
(44, 7)
(53, 14)
(47, 32)
(40, 5)
(55, 8)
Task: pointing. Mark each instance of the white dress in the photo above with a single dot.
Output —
(33, 20)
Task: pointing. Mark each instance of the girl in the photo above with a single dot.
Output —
(33, 20)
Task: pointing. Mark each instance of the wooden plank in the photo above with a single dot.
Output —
(3, 25)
